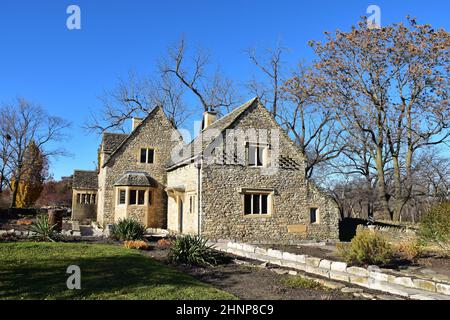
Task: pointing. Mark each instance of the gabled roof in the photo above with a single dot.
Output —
(135, 132)
(111, 141)
(218, 127)
(136, 179)
(84, 179)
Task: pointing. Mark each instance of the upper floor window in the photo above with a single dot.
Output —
(256, 155)
(147, 155)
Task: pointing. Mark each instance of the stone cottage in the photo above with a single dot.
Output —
(84, 195)
(242, 178)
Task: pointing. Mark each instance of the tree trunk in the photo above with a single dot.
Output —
(384, 197)
(399, 201)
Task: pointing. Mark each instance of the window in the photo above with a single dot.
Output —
(191, 204)
(122, 194)
(150, 196)
(86, 198)
(256, 204)
(313, 215)
(141, 197)
(133, 197)
(256, 155)
(137, 197)
(147, 155)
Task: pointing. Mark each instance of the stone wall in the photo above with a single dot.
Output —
(156, 133)
(186, 176)
(393, 234)
(372, 277)
(81, 211)
(292, 197)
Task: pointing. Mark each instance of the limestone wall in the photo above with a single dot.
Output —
(186, 176)
(292, 197)
(157, 134)
(372, 277)
(81, 211)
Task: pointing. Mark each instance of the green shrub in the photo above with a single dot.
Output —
(367, 248)
(435, 226)
(299, 282)
(43, 230)
(193, 250)
(128, 229)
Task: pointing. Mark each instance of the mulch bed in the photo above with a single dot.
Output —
(250, 282)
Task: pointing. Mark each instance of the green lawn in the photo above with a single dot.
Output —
(31, 270)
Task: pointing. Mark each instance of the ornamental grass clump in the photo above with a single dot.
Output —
(128, 229)
(43, 231)
(193, 250)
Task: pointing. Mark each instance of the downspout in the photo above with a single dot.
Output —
(198, 165)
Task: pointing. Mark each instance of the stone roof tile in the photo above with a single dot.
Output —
(83, 179)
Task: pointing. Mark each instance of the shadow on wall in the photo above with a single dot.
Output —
(348, 226)
(16, 213)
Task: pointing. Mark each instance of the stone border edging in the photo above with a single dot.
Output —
(371, 277)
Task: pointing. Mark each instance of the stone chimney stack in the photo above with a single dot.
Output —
(208, 118)
(135, 122)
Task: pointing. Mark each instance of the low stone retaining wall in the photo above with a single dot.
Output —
(393, 234)
(372, 277)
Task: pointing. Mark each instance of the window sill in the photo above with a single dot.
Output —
(251, 216)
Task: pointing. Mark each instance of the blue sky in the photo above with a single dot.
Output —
(66, 71)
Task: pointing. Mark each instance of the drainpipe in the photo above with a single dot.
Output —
(198, 165)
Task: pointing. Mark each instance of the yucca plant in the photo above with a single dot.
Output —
(128, 229)
(43, 230)
(193, 250)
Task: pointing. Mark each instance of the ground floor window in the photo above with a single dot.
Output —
(256, 204)
(150, 197)
(122, 196)
(135, 197)
(191, 204)
(313, 215)
(86, 198)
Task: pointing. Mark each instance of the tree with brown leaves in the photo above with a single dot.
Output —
(390, 86)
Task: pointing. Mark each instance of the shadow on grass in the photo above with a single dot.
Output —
(115, 276)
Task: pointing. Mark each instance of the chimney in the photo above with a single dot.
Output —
(135, 122)
(208, 118)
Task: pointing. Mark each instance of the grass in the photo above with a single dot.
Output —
(299, 282)
(31, 270)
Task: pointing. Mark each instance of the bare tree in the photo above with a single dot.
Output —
(136, 96)
(270, 63)
(214, 91)
(305, 116)
(392, 87)
(26, 122)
